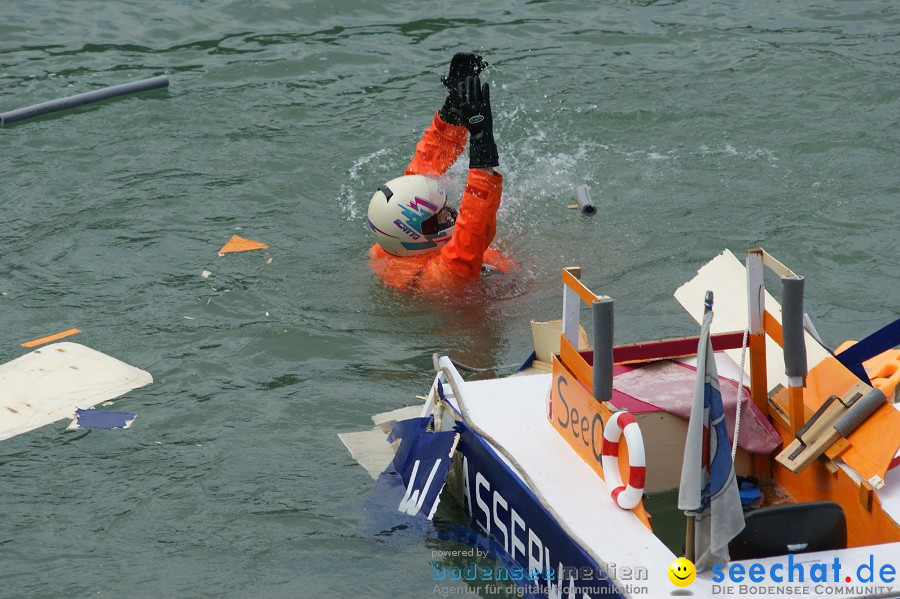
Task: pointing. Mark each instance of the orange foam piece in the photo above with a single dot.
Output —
(239, 244)
(49, 338)
(883, 369)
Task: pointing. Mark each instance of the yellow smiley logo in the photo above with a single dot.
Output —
(682, 572)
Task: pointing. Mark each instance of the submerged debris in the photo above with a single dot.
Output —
(101, 419)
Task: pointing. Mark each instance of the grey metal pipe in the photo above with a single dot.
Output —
(585, 203)
(80, 99)
(792, 326)
(602, 312)
(862, 409)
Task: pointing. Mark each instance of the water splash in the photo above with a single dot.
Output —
(364, 175)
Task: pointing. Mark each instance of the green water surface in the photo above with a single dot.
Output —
(697, 125)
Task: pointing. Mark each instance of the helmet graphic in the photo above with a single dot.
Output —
(409, 216)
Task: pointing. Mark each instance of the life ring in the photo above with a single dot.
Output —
(626, 497)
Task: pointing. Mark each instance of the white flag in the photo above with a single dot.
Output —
(708, 486)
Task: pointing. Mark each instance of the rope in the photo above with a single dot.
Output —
(740, 393)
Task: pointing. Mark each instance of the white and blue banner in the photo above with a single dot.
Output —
(540, 557)
(510, 523)
(411, 484)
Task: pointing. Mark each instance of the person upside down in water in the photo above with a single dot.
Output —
(421, 242)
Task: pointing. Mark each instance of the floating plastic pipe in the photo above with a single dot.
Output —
(602, 311)
(583, 197)
(81, 99)
(861, 410)
(792, 326)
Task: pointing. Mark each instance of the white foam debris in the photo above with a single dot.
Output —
(49, 383)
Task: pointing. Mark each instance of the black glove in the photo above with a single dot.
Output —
(464, 64)
(474, 112)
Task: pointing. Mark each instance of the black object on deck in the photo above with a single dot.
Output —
(792, 528)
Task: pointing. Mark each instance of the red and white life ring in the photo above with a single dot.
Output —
(626, 497)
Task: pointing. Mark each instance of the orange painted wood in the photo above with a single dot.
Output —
(579, 419)
(816, 483)
(49, 338)
(586, 295)
(796, 412)
(773, 328)
(758, 379)
(575, 362)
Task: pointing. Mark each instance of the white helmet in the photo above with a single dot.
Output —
(409, 216)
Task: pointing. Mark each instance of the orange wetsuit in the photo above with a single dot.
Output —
(460, 259)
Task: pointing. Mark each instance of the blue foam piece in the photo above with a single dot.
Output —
(103, 420)
(749, 492)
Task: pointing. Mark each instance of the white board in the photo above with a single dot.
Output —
(49, 383)
(726, 277)
(370, 449)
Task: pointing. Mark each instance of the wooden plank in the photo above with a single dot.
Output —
(865, 495)
(571, 314)
(776, 415)
(795, 408)
(50, 382)
(816, 483)
(576, 363)
(679, 347)
(49, 338)
(575, 271)
(775, 266)
(758, 372)
(586, 295)
(819, 436)
(773, 328)
(545, 337)
(579, 419)
(756, 290)
(837, 448)
(874, 444)
(369, 449)
(728, 279)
